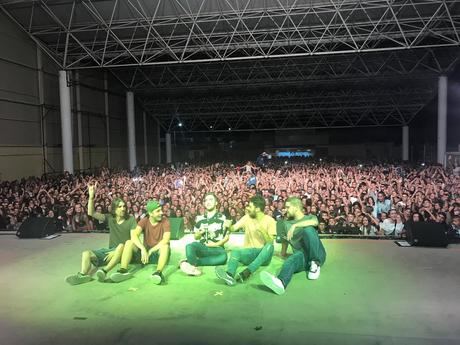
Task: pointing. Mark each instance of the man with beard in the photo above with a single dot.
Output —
(120, 225)
(309, 253)
(259, 232)
(210, 236)
(153, 250)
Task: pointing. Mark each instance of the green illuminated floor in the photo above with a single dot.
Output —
(370, 292)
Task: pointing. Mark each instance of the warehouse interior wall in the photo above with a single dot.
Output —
(30, 127)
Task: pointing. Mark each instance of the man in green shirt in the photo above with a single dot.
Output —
(309, 253)
(120, 225)
(210, 235)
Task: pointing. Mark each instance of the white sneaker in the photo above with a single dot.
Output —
(314, 271)
(189, 269)
(101, 275)
(272, 282)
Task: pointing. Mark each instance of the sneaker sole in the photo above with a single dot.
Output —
(267, 280)
(222, 275)
(315, 276)
(120, 277)
(156, 279)
(101, 276)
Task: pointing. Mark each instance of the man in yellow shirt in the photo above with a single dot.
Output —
(259, 232)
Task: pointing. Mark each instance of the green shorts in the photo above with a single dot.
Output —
(100, 256)
(153, 259)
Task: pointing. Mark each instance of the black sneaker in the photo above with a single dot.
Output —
(158, 278)
(243, 275)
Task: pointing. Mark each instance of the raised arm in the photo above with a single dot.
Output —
(91, 212)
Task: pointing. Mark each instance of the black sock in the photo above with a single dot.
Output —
(246, 273)
(104, 271)
(123, 270)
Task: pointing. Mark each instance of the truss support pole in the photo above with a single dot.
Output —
(146, 156)
(81, 158)
(107, 118)
(442, 118)
(66, 123)
(159, 143)
(131, 130)
(168, 148)
(405, 143)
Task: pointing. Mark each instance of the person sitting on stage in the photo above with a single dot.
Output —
(211, 236)
(309, 253)
(259, 232)
(120, 225)
(154, 249)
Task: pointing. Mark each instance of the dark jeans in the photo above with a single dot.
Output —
(253, 257)
(311, 250)
(198, 254)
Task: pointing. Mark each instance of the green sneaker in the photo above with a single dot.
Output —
(77, 279)
(119, 277)
(223, 275)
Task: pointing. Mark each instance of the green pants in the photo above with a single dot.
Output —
(253, 257)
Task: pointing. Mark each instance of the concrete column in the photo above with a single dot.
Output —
(107, 118)
(131, 130)
(168, 148)
(81, 158)
(41, 101)
(66, 123)
(146, 156)
(442, 118)
(405, 143)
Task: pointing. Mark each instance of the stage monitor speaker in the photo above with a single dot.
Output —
(427, 234)
(177, 227)
(36, 227)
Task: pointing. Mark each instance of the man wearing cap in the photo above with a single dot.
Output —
(154, 248)
(210, 236)
(120, 224)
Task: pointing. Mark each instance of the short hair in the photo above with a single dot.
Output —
(258, 202)
(295, 201)
(213, 195)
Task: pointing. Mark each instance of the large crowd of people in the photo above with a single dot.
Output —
(370, 200)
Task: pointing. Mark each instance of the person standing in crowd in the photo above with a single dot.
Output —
(210, 235)
(153, 250)
(80, 220)
(120, 225)
(259, 232)
(309, 253)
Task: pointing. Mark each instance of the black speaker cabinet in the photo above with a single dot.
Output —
(427, 234)
(36, 227)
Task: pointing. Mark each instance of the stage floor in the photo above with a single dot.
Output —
(369, 292)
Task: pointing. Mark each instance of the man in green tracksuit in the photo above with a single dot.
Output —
(309, 253)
